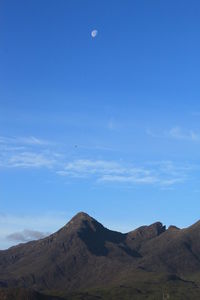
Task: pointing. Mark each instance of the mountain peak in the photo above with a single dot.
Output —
(158, 227)
(148, 232)
(82, 216)
(80, 220)
(173, 227)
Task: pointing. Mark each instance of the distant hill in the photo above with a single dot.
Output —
(85, 260)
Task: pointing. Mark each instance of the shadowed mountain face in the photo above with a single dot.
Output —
(86, 255)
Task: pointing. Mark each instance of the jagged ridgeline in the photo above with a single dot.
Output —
(85, 260)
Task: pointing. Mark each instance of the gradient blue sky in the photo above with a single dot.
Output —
(107, 125)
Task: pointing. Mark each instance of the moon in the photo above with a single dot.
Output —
(94, 33)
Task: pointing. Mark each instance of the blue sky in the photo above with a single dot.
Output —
(109, 125)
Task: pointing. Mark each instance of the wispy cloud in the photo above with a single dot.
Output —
(176, 133)
(129, 179)
(86, 167)
(112, 124)
(30, 140)
(33, 153)
(37, 226)
(26, 235)
(31, 160)
(163, 173)
(26, 152)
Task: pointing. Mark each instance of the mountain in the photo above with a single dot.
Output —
(84, 260)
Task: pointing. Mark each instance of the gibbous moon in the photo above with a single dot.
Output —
(94, 33)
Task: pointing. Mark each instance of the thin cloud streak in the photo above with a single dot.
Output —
(26, 152)
(26, 235)
(26, 156)
(30, 140)
(30, 160)
(12, 226)
(128, 179)
(162, 174)
(176, 133)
